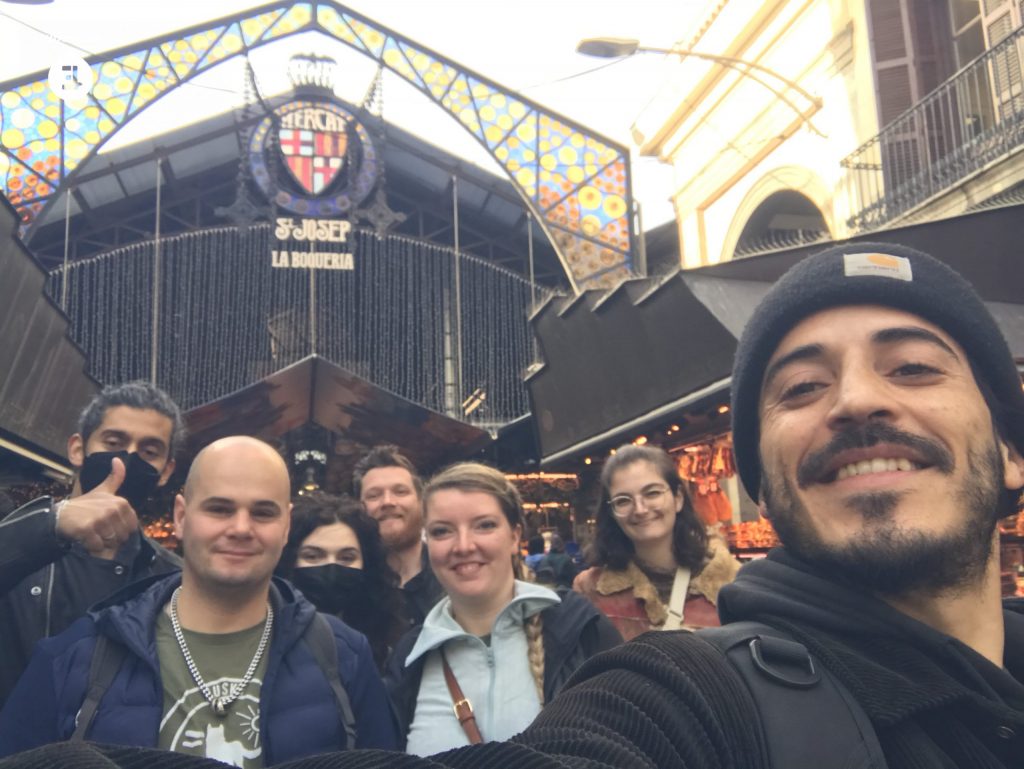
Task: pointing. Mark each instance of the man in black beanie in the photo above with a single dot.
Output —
(878, 419)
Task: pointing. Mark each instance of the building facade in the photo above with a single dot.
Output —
(832, 119)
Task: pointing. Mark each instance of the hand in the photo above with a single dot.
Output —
(100, 520)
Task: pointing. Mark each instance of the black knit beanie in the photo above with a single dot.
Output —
(869, 273)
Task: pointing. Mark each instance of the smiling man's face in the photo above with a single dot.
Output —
(880, 459)
(390, 496)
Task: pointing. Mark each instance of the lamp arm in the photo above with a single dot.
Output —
(735, 65)
(748, 68)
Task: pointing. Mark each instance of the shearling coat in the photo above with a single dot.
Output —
(629, 599)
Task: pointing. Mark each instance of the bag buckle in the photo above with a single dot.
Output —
(463, 703)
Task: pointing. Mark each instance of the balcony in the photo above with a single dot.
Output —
(970, 121)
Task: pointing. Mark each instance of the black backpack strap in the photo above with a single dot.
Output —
(321, 642)
(807, 717)
(106, 661)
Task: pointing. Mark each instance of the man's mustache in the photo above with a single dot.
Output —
(928, 451)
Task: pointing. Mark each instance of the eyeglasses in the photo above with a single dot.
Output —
(623, 505)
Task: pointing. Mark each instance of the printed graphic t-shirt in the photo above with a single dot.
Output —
(189, 724)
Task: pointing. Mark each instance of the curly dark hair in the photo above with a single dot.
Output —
(382, 618)
(613, 549)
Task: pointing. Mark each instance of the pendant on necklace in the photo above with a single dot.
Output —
(220, 707)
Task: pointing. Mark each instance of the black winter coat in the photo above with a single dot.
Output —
(46, 584)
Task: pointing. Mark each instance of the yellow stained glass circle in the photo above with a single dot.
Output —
(12, 138)
(47, 129)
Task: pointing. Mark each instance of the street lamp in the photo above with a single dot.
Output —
(615, 47)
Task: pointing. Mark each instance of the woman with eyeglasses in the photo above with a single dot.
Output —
(492, 652)
(654, 565)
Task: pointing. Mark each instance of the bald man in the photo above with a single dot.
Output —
(216, 661)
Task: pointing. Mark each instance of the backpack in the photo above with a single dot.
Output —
(556, 569)
(806, 717)
(108, 655)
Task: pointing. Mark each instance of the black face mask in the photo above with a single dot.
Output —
(332, 588)
(140, 477)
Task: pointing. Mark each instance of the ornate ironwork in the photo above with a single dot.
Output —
(575, 181)
(971, 120)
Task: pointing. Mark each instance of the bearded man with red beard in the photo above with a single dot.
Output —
(391, 490)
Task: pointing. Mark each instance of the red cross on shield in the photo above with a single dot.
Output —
(314, 158)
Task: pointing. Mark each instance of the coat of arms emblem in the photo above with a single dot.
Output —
(313, 157)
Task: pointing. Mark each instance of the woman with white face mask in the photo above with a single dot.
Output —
(654, 565)
(495, 649)
(335, 557)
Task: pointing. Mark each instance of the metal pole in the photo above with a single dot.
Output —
(533, 285)
(641, 242)
(529, 251)
(312, 302)
(67, 237)
(154, 348)
(458, 294)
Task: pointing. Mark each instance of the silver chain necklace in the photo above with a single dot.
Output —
(220, 705)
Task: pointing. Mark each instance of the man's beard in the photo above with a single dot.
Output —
(885, 558)
(397, 540)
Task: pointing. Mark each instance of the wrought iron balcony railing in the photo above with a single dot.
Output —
(971, 120)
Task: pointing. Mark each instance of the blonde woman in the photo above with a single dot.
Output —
(508, 645)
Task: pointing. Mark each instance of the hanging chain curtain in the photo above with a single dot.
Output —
(227, 318)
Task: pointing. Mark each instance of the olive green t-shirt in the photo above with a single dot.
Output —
(189, 724)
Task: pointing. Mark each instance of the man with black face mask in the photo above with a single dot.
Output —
(57, 558)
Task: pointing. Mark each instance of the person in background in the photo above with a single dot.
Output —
(556, 569)
(387, 484)
(58, 558)
(534, 552)
(507, 645)
(654, 566)
(335, 557)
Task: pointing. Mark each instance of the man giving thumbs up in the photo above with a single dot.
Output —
(59, 558)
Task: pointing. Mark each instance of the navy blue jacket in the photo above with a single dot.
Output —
(298, 712)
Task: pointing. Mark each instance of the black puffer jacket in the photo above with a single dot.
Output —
(46, 584)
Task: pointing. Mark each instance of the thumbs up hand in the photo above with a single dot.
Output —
(99, 519)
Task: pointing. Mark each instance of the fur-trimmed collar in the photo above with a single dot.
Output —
(719, 569)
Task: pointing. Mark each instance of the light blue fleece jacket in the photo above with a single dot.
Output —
(496, 679)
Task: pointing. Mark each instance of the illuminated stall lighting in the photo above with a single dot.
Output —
(542, 477)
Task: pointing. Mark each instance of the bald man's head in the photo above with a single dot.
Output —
(236, 448)
(233, 517)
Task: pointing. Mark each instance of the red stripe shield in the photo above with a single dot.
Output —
(314, 158)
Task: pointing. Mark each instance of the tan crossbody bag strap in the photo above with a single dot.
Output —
(462, 707)
(677, 600)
